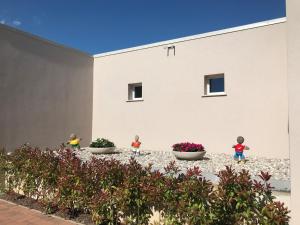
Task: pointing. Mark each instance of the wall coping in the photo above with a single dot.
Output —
(194, 37)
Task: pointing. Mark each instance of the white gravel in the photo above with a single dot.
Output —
(212, 162)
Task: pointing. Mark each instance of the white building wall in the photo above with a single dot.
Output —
(174, 109)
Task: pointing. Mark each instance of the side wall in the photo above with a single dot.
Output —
(173, 110)
(293, 16)
(45, 91)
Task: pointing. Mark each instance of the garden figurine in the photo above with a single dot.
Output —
(74, 142)
(239, 149)
(135, 145)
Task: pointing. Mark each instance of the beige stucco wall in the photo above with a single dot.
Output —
(173, 110)
(293, 16)
(45, 91)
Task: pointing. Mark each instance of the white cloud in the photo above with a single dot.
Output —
(17, 22)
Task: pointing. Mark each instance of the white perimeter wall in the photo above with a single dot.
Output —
(293, 15)
(46, 91)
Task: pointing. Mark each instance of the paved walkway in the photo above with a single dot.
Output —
(12, 214)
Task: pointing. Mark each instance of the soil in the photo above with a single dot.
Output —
(79, 217)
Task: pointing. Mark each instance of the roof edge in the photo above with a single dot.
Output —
(41, 39)
(193, 37)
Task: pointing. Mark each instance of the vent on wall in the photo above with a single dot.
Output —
(171, 50)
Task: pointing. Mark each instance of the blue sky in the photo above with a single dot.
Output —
(97, 26)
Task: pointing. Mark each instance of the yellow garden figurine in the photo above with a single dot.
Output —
(74, 142)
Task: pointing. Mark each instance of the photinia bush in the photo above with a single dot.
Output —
(187, 198)
(71, 182)
(197, 198)
(3, 160)
(117, 193)
(107, 176)
(243, 201)
(138, 193)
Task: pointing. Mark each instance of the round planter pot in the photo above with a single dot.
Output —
(189, 155)
(102, 150)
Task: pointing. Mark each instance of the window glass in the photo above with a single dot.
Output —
(216, 85)
(138, 92)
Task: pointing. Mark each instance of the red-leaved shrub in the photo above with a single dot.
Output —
(117, 193)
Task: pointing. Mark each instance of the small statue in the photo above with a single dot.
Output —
(74, 142)
(239, 149)
(135, 145)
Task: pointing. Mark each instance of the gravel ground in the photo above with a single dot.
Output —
(212, 162)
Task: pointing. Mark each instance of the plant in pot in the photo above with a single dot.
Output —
(102, 146)
(188, 151)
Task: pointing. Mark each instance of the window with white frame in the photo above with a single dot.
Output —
(135, 91)
(214, 84)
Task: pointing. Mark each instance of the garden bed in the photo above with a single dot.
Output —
(212, 163)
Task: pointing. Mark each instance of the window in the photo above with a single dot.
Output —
(214, 85)
(135, 91)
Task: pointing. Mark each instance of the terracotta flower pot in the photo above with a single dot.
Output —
(189, 155)
(101, 150)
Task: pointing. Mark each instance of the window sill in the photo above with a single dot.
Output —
(215, 95)
(135, 100)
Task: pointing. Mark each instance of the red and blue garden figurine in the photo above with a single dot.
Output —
(239, 149)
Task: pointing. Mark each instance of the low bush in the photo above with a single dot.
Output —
(3, 159)
(102, 143)
(116, 193)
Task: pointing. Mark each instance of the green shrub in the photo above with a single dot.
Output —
(102, 143)
(34, 172)
(71, 183)
(134, 199)
(3, 159)
(106, 177)
(111, 191)
(241, 200)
